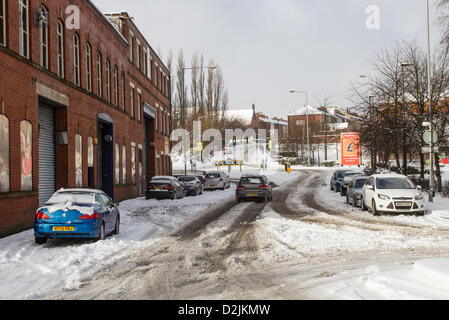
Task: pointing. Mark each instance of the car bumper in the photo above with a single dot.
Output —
(251, 195)
(213, 187)
(84, 230)
(159, 194)
(391, 207)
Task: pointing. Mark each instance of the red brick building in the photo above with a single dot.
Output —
(84, 103)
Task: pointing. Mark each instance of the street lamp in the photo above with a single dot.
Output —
(307, 121)
(429, 92)
(211, 68)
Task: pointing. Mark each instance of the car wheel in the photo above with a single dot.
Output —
(364, 208)
(117, 226)
(375, 212)
(102, 235)
(40, 241)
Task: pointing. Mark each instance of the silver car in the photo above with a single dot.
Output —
(217, 180)
(254, 187)
(354, 191)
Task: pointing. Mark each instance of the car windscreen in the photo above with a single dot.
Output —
(360, 183)
(251, 180)
(394, 183)
(186, 179)
(213, 176)
(351, 174)
(74, 197)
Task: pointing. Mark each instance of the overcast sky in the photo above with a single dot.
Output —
(268, 47)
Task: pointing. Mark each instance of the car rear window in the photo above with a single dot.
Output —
(74, 197)
(252, 180)
(213, 176)
(160, 182)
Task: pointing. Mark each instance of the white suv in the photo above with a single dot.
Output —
(392, 193)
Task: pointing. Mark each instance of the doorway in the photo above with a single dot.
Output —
(105, 153)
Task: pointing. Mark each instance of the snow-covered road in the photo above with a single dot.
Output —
(306, 244)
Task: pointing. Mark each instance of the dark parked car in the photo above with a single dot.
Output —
(354, 191)
(165, 187)
(348, 176)
(254, 187)
(192, 185)
(77, 213)
(336, 180)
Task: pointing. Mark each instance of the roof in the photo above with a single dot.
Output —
(80, 190)
(307, 110)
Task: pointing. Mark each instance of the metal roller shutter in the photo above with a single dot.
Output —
(47, 176)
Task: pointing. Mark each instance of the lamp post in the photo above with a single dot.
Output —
(429, 92)
(307, 121)
(404, 139)
(211, 68)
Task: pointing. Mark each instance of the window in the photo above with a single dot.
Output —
(76, 59)
(88, 67)
(138, 55)
(108, 80)
(60, 40)
(4, 154)
(139, 103)
(99, 75)
(115, 85)
(131, 45)
(124, 163)
(149, 64)
(2, 25)
(157, 117)
(43, 30)
(131, 111)
(23, 28)
(26, 155)
(145, 60)
(123, 90)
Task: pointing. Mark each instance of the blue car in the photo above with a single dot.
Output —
(337, 180)
(77, 213)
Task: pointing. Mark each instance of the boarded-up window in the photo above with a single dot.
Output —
(4, 154)
(133, 162)
(26, 155)
(90, 152)
(124, 163)
(79, 160)
(117, 163)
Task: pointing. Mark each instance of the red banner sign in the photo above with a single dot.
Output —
(350, 149)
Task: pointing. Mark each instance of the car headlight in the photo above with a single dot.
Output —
(383, 197)
(419, 198)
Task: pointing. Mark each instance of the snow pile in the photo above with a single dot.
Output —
(424, 280)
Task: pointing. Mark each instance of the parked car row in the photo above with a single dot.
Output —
(379, 193)
(167, 187)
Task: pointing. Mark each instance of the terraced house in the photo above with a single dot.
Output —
(84, 102)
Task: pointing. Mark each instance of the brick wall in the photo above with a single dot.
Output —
(19, 78)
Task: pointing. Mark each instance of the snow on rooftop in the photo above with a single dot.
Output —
(245, 115)
(306, 110)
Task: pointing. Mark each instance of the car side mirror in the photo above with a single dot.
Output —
(419, 188)
(370, 187)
